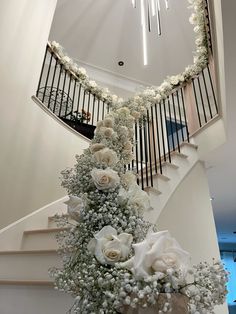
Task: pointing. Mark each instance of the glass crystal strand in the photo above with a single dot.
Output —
(153, 7)
(158, 8)
(133, 3)
(144, 35)
(167, 4)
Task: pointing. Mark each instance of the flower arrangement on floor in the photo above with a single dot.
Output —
(153, 94)
(112, 258)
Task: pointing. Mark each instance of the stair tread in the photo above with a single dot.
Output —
(27, 282)
(53, 217)
(189, 144)
(180, 154)
(46, 230)
(19, 252)
(152, 189)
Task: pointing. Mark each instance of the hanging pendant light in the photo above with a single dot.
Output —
(149, 9)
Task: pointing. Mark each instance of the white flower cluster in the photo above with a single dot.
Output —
(89, 85)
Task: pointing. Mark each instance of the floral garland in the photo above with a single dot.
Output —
(151, 95)
(113, 259)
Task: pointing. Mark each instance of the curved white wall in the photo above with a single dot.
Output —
(189, 218)
(34, 147)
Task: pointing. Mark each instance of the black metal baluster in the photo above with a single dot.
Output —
(180, 115)
(153, 140)
(196, 101)
(98, 109)
(73, 100)
(145, 149)
(103, 107)
(176, 128)
(58, 84)
(83, 102)
(212, 88)
(158, 139)
(206, 91)
(94, 99)
(47, 77)
(78, 101)
(52, 83)
(162, 132)
(171, 126)
(62, 94)
(149, 147)
(168, 140)
(88, 113)
(141, 153)
(202, 100)
(185, 118)
(136, 149)
(42, 70)
(68, 95)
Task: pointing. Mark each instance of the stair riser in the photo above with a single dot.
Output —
(27, 266)
(40, 241)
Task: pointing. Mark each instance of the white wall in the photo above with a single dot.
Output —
(189, 218)
(34, 147)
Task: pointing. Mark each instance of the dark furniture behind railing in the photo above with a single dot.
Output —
(60, 91)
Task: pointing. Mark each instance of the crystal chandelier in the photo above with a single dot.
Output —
(150, 10)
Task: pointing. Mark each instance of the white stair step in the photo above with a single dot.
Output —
(44, 283)
(32, 297)
(40, 239)
(189, 145)
(28, 265)
(53, 224)
(150, 189)
(179, 154)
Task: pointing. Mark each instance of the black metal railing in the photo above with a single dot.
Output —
(61, 91)
(165, 127)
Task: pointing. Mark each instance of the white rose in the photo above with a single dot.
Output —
(82, 71)
(159, 252)
(158, 98)
(93, 84)
(136, 114)
(114, 98)
(127, 146)
(66, 59)
(107, 156)
(135, 197)
(55, 45)
(96, 147)
(149, 92)
(123, 111)
(174, 80)
(107, 132)
(105, 179)
(110, 248)
(128, 179)
(108, 123)
(74, 206)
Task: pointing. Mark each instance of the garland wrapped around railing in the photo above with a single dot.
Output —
(113, 260)
(151, 95)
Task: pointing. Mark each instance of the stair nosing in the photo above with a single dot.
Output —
(28, 252)
(27, 282)
(46, 230)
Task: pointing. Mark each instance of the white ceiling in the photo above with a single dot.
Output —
(222, 174)
(103, 32)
